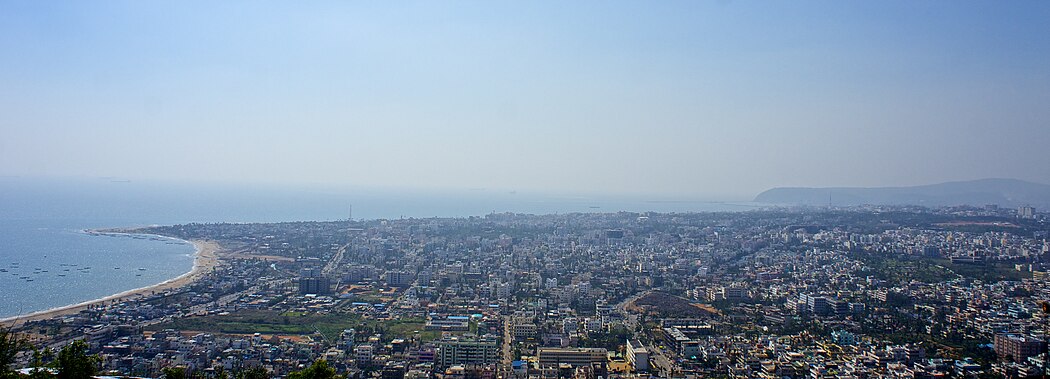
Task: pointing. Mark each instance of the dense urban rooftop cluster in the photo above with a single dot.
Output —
(866, 292)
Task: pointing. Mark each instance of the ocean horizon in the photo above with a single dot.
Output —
(48, 261)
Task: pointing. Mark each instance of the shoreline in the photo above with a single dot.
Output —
(205, 259)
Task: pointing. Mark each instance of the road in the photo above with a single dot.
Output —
(660, 359)
(335, 262)
(629, 319)
(506, 351)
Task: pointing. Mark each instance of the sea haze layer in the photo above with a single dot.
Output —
(48, 261)
(115, 202)
(1002, 192)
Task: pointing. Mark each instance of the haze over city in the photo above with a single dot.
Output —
(524, 189)
(704, 99)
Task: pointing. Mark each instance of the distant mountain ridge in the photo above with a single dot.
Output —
(1003, 192)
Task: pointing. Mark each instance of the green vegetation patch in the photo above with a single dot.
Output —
(903, 269)
(986, 271)
(611, 340)
(401, 328)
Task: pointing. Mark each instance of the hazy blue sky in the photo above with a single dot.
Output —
(700, 99)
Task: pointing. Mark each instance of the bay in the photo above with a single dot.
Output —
(47, 259)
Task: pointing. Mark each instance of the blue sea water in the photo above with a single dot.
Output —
(50, 263)
(47, 260)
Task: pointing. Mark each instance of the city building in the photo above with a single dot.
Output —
(466, 351)
(1016, 347)
(575, 357)
(638, 355)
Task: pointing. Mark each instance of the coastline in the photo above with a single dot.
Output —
(206, 258)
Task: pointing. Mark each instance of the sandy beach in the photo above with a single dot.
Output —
(205, 259)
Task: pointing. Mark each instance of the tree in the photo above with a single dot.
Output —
(318, 370)
(220, 373)
(174, 372)
(74, 362)
(253, 373)
(39, 367)
(10, 345)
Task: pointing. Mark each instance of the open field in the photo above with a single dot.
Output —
(663, 304)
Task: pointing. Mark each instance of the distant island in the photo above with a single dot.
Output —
(1002, 192)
